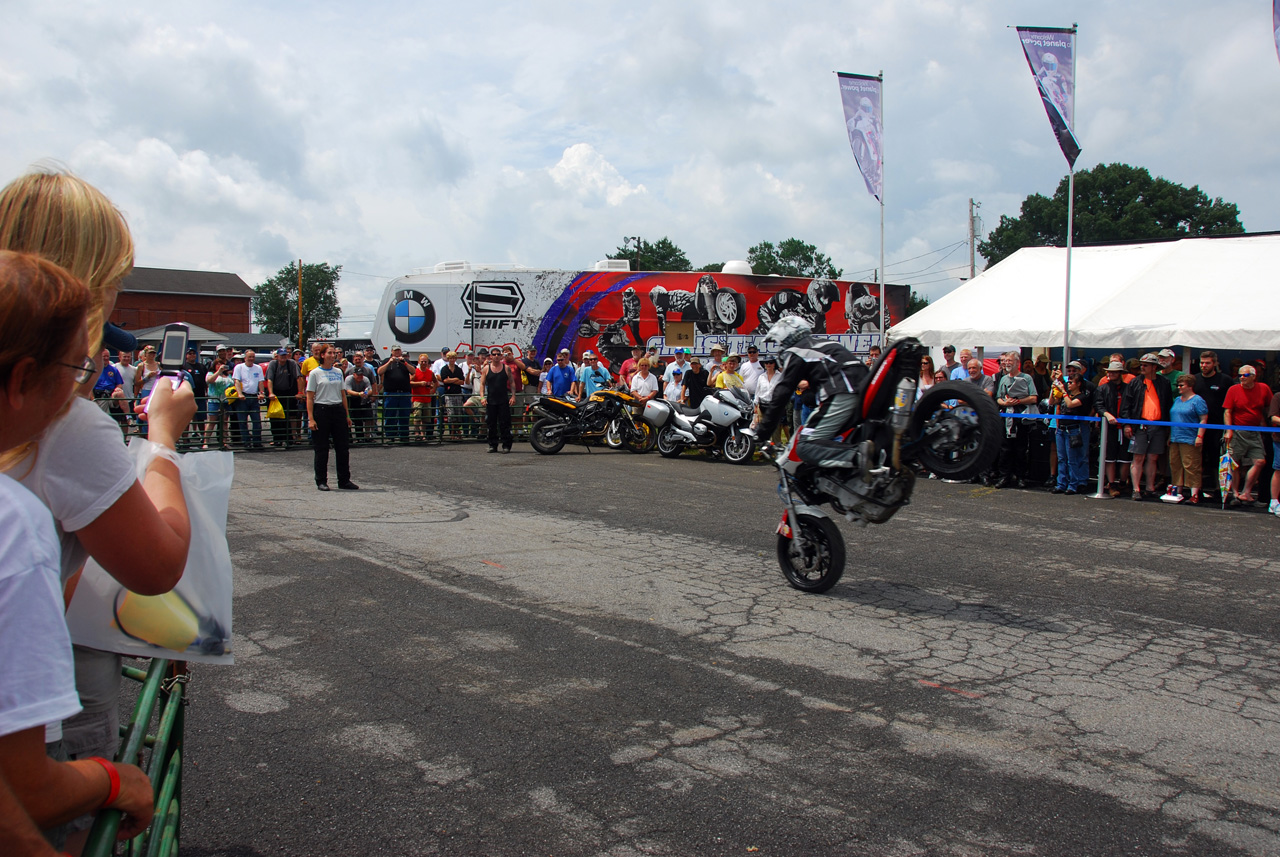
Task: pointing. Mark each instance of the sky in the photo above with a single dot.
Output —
(388, 136)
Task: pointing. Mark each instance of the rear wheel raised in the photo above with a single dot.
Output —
(812, 560)
(957, 430)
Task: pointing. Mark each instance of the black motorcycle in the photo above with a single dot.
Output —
(606, 413)
(953, 430)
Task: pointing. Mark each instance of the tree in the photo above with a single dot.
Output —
(915, 303)
(275, 307)
(662, 255)
(713, 268)
(1114, 202)
(791, 258)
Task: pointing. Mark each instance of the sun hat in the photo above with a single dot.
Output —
(1115, 366)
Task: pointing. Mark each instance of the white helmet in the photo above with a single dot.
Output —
(787, 331)
(1049, 62)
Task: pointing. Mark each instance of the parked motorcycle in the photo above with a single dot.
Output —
(606, 413)
(716, 424)
(954, 430)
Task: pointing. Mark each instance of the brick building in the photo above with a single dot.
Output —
(156, 296)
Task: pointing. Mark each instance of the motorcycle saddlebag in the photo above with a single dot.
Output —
(656, 412)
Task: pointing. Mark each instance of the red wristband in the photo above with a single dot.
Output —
(113, 775)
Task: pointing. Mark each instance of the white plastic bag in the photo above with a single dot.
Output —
(192, 622)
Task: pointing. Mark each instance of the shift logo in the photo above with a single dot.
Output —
(492, 300)
(412, 316)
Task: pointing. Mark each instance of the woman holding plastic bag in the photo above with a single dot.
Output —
(43, 349)
(137, 529)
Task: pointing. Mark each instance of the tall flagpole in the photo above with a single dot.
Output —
(1066, 309)
(883, 279)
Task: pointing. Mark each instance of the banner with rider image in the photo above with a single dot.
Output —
(860, 95)
(1275, 23)
(1051, 54)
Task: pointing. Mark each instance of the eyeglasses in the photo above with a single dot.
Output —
(1245, 375)
(84, 371)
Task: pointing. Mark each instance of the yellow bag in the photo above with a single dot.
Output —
(275, 410)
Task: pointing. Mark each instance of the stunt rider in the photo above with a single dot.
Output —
(833, 371)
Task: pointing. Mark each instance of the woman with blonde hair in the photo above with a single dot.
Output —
(78, 467)
(43, 345)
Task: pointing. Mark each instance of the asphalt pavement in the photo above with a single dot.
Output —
(594, 653)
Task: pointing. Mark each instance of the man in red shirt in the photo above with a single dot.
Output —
(1246, 405)
(629, 365)
(423, 386)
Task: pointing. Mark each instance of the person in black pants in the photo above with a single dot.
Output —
(329, 419)
(499, 384)
(282, 386)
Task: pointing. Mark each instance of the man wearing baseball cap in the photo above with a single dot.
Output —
(200, 387)
(1150, 398)
(591, 376)
(1168, 366)
(751, 369)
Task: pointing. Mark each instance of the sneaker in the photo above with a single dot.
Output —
(1274, 507)
(1173, 497)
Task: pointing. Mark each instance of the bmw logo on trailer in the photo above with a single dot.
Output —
(412, 316)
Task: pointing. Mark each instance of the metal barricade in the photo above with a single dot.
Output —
(161, 699)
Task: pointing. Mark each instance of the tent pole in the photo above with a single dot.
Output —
(1066, 309)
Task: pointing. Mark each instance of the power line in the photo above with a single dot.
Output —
(888, 265)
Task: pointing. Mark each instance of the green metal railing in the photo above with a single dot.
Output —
(161, 699)
(443, 421)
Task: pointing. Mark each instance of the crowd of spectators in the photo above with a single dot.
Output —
(1176, 463)
(400, 400)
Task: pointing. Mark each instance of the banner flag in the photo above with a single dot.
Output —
(1275, 23)
(860, 95)
(1051, 54)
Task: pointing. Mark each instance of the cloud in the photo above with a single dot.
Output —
(585, 172)
(238, 136)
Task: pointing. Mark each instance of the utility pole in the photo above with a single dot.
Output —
(973, 237)
(299, 303)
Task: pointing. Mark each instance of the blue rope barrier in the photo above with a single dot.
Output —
(1198, 426)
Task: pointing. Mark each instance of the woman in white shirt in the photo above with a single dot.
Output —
(78, 467)
(43, 348)
(329, 417)
(644, 384)
(765, 385)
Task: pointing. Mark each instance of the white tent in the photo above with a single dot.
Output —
(1198, 292)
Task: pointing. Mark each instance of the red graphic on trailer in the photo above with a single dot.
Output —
(611, 311)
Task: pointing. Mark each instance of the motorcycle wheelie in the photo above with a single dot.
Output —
(856, 450)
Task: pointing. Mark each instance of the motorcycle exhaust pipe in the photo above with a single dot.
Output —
(904, 400)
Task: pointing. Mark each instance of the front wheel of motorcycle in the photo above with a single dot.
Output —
(547, 436)
(613, 434)
(812, 560)
(957, 430)
(669, 445)
(639, 436)
(738, 447)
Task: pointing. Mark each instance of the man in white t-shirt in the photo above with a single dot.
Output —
(681, 362)
(250, 383)
(751, 370)
(127, 372)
